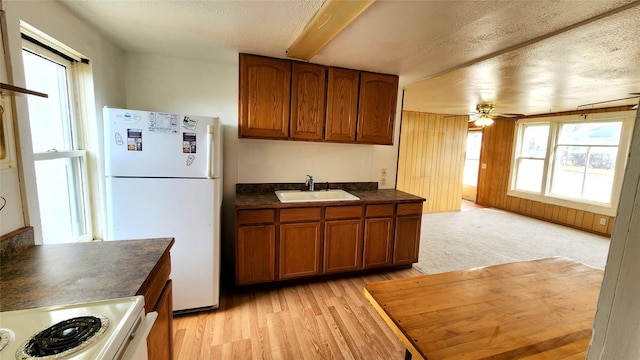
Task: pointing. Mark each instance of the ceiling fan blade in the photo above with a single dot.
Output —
(510, 115)
(452, 116)
(635, 107)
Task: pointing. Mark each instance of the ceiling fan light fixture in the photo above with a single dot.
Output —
(329, 21)
(483, 120)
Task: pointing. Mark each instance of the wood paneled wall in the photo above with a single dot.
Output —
(431, 158)
(495, 163)
(493, 181)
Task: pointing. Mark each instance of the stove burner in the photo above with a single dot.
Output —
(6, 337)
(64, 338)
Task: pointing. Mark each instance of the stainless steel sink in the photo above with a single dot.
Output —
(291, 196)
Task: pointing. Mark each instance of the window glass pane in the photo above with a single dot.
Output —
(59, 195)
(474, 143)
(568, 175)
(49, 117)
(584, 172)
(529, 176)
(598, 182)
(470, 174)
(603, 133)
(472, 162)
(573, 157)
(534, 141)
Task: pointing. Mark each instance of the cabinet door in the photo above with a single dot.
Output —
(342, 105)
(378, 241)
(255, 254)
(377, 108)
(265, 87)
(299, 246)
(160, 338)
(342, 245)
(308, 86)
(407, 240)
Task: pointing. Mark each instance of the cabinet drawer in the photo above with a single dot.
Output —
(409, 209)
(379, 210)
(261, 216)
(300, 214)
(343, 212)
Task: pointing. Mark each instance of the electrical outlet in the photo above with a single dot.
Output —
(383, 172)
(603, 221)
(383, 181)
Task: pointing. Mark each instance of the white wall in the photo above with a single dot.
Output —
(616, 327)
(106, 62)
(196, 87)
(268, 161)
(11, 217)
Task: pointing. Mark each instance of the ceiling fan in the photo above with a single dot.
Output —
(485, 113)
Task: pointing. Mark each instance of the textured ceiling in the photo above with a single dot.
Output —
(527, 57)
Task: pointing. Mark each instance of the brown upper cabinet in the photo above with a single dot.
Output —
(342, 105)
(265, 94)
(377, 108)
(308, 88)
(284, 99)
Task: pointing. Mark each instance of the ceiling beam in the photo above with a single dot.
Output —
(329, 21)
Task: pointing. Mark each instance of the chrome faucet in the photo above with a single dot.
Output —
(309, 182)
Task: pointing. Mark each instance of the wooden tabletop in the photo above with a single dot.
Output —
(539, 309)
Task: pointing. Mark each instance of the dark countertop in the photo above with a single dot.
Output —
(46, 275)
(270, 200)
(16, 241)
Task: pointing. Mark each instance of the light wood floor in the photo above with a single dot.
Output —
(318, 320)
(467, 205)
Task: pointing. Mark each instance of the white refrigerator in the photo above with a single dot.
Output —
(164, 179)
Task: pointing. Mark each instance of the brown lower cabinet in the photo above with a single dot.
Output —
(158, 294)
(255, 246)
(159, 341)
(255, 254)
(378, 230)
(408, 223)
(343, 239)
(321, 240)
(300, 247)
(299, 242)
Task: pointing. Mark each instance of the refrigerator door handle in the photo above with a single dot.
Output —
(211, 156)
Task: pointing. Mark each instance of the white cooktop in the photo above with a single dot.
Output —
(122, 314)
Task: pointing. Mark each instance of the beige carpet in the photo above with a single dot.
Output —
(468, 239)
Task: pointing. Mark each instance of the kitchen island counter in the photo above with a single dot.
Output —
(62, 274)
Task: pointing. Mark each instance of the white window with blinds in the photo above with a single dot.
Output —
(58, 144)
(574, 161)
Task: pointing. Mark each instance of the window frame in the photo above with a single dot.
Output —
(626, 117)
(76, 104)
(517, 156)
